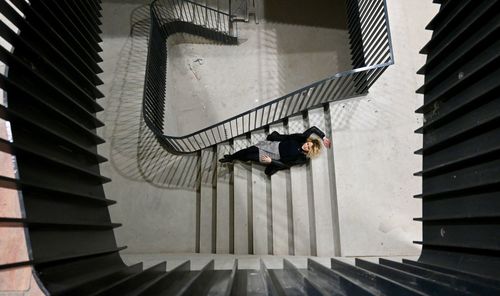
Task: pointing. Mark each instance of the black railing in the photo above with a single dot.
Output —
(371, 52)
(169, 17)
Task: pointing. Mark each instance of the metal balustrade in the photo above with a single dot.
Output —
(371, 49)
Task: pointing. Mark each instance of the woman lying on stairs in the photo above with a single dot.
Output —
(280, 152)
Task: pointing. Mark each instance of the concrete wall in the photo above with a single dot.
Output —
(373, 142)
(156, 216)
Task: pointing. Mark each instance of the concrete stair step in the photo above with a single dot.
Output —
(281, 206)
(261, 204)
(332, 182)
(321, 192)
(293, 212)
(208, 195)
(303, 231)
(224, 203)
(243, 231)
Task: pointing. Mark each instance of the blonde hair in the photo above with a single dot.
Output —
(315, 149)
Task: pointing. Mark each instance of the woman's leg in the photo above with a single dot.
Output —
(248, 154)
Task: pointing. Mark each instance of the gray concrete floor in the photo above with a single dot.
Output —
(210, 82)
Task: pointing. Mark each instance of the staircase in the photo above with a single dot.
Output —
(293, 212)
(277, 276)
(239, 209)
(371, 54)
(242, 10)
(72, 249)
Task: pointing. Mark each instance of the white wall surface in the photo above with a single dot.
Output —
(374, 143)
(156, 216)
(212, 82)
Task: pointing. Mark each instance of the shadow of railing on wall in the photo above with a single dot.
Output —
(134, 150)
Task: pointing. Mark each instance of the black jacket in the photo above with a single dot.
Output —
(282, 164)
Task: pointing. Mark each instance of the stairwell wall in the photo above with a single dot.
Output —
(374, 145)
(157, 218)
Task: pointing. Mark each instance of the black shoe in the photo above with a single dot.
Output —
(270, 170)
(225, 160)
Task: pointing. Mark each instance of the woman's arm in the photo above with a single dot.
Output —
(265, 159)
(275, 166)
(275, 136)
(320, 133)
(313, 130)
(272, 166)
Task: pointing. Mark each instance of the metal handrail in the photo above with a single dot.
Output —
(370, 44)
(305, 88)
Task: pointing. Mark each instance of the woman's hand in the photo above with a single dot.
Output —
(265, 159)
(327, 142)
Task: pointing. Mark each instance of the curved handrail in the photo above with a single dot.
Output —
(371, 54)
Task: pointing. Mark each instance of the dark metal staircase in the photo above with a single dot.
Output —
(461, 165)
(51, 107)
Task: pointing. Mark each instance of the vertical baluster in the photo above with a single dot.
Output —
(317, 91)
(214, 139)
(194, 5)
(348, 84)
(185, 11)
(338, 85)
(231, 127)
(272, 112)
(199, 141)
(221, 138)
(173, 143)
(206, 13)
(237, 127)
(282, 108)
(262, 117)
(230, 130)
(179, 9)
(306, 98)
(268, 113)
(248, 120)
(214, 20)
(201, 15)
(254, 120)
(186, 145)
(298, 102)
(320, 92)
(218, 13)
(275, 111)
(288, 104)
(204, 139)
